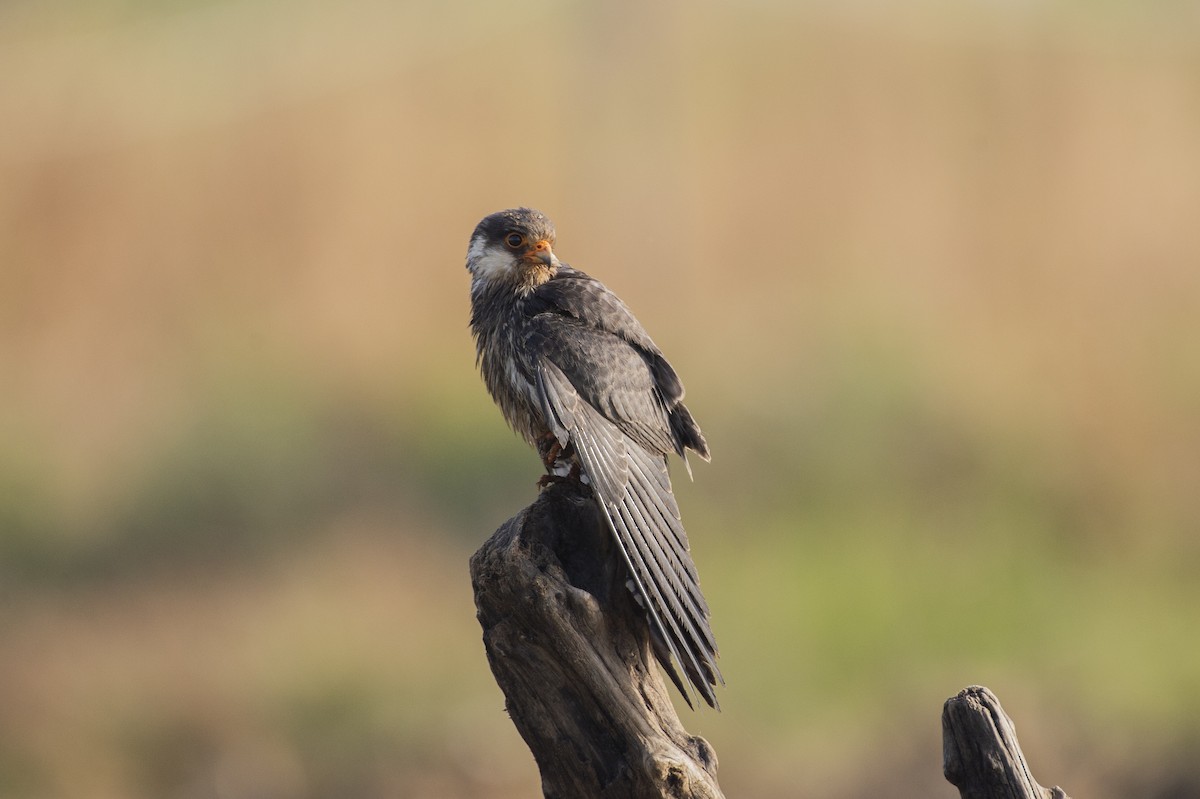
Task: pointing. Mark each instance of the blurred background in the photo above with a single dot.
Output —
(930, 273)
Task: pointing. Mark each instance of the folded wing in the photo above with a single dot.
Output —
(621, 450)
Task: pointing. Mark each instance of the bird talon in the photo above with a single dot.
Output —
(550, 479)
(573, 476)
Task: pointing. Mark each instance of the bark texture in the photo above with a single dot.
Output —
(980, 753)
(570, 649)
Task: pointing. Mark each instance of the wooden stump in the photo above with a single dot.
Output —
(570, 649)
(980, 753)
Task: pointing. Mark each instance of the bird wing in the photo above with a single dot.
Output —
(580, 297)
(630, 481)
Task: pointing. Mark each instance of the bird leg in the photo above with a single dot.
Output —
(551, 452)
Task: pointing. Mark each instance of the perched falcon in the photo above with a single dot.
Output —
(578, 377)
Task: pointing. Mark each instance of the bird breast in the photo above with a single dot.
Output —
(509, 379)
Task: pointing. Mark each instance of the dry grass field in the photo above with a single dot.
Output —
(932, 277)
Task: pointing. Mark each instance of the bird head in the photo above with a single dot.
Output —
(514, 246)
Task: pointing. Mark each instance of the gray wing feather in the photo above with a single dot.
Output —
(634, 493)
(656, 418)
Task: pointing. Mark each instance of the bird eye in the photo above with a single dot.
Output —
(514, 240)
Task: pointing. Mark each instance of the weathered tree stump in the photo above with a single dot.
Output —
(980, 753)
(570, 649)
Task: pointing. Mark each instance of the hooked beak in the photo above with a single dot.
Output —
(542, 252)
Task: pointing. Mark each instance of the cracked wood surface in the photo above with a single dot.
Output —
(980, 753)
(570, 649)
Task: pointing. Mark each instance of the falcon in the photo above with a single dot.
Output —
(578, 377)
